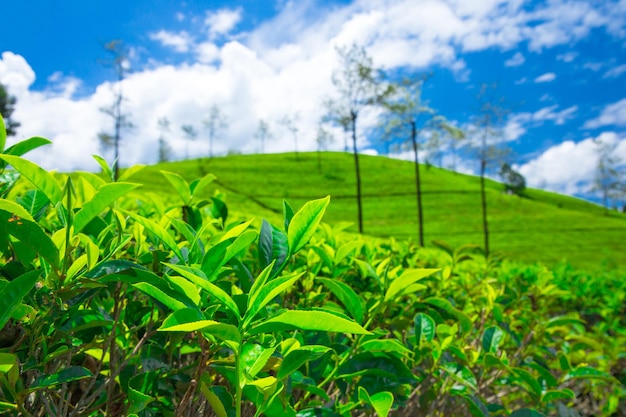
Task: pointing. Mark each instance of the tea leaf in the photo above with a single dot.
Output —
(130, 171)
(208, 286)
(169, 300)
(288, 215)
(215, 401)
(558, 395)
(402, 284)
(424, 328)
(197, 186)
(179, 184)
(137, 388)
(308, 320)
(105, 166)
(25, 146)
(35, 202)
(273, 246)
(298, 357)
(492, 338)
(29, 233)
(190, 320)
(381, 401)
(72, 373)
(12, 293)
(40, 178)
(304, 223)
(347, 296)
(267, 293)
(157, 230)
(104, 197)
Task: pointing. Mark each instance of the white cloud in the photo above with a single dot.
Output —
(515, 61)
(222, 21)
(180, 42)
(612, 115)
(615, 71)
(593, 66)
(546, 78)
(568, 167)
(567, 57)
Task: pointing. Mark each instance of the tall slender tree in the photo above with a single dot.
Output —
(164, 148)
(488, 146)
(407, 117)
(263, 133)
(358, 85)
(289, 123)
(323, 138)
(609, 175)
(215, 123)
(7, 106)
(190, 135)
(121, 120)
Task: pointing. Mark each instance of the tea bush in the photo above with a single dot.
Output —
(115, 304)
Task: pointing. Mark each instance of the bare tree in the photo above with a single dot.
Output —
(121, 120)
(289, 122)
(190, 135)
(407, 117)
(215, 124)
(608, 178)
(488, 146)
(323, 138)
(164, 149)
(358, 86)
(263, 133)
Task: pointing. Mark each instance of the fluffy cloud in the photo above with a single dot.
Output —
(567, 167)
(615, 71)
(180, 42)
(515, 61)
(546, 78)
(222, 21)
(612, 115)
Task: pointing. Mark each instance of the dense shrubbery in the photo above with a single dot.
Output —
(118, 304)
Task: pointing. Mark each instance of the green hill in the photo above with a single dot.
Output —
(540, 226)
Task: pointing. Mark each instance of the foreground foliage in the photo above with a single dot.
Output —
(119, 305)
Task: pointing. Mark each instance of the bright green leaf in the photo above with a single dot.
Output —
(40, 178)
(180, 185)
(208, 286)
(104, 197)
(309, 320)
(304, 223)
(400, 285)
(298, 357)
(348, 297)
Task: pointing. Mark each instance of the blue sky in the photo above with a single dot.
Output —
(560, 64)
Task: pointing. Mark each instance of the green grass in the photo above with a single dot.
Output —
(541, 226)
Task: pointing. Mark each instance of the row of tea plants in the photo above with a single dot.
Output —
(117, 303)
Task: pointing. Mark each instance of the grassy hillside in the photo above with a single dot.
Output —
(541, 226)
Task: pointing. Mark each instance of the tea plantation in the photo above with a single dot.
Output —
(116, 301)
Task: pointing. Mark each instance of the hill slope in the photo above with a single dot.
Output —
(541, 226)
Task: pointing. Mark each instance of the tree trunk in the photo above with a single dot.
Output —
(420, 220)
(483, 197)
(358, 173)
